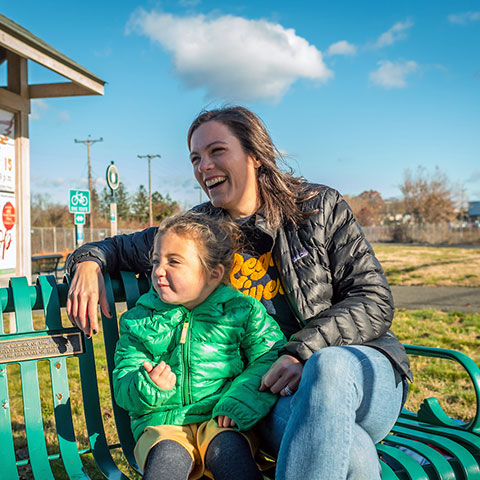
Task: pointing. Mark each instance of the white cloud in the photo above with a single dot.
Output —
(38, 107)
(189, 3)
(474, 177)
(394, 34)
(392, 75)
(100, 182)
(104, 52)
(464, 18)
(232, 57)
(48, 181)
(63, 117)
(341, 48)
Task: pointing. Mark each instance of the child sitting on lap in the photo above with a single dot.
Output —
(191, 356)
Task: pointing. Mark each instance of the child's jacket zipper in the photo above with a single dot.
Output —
(185, 344)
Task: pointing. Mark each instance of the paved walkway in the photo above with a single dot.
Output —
(462, 299)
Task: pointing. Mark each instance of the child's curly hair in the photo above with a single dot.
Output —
(218, 238)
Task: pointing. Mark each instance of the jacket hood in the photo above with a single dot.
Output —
(221, 295)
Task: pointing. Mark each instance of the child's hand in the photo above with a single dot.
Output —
(224, 421)
(161, 375)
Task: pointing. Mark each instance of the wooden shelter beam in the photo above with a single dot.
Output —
(24, 50)
(50, 90)
(13, 102)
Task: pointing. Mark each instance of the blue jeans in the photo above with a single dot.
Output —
(348, 399)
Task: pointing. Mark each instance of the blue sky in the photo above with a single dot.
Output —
(354, 92)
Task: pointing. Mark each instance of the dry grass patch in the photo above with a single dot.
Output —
(433, 266)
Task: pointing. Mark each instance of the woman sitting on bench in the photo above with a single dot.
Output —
(341, 376)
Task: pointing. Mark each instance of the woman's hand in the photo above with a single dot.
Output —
(161, 375)
(86, 291)
(287, 370)
(225, 422)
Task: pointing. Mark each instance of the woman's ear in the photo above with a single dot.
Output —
(256, 162)
(217, 273)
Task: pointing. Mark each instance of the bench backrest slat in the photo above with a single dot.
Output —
(93, 414)
(465, 460)
(131, 288)
(22, 304)
(439, 463)
(9, 467)
(411, 467)
(34, 428)
(111, 335)
(468, 439)
(63, 419)
(51, 302)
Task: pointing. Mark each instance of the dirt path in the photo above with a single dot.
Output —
(462, 299)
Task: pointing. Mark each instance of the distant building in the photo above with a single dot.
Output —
(474, 211)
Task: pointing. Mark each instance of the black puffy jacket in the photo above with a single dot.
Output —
(334, 284)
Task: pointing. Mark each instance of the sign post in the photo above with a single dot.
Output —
(9, 220)
(113, 181)
(79, 205)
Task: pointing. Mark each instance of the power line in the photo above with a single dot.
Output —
(149, 158)
(89, 141)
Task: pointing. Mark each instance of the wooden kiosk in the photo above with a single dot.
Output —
(17, 47)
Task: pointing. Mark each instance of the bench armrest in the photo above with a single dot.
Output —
(430, 410)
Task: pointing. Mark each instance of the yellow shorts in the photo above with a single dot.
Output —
(195, 438)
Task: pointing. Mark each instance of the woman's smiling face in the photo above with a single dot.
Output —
(224, 170)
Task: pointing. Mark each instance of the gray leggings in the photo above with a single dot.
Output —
(228, 457)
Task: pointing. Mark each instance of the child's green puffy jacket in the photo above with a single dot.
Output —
(219, 351)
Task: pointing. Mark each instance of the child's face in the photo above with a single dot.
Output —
(178, 275)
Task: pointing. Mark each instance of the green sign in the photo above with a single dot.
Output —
(79, 201)
(79, 218)
(113, 179)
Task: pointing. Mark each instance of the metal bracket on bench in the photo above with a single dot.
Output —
(430, 411)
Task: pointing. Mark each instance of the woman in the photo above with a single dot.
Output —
(308, 261)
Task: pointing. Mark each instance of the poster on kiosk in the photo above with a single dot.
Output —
(7, 193)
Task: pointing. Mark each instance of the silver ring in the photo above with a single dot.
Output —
(287, 391)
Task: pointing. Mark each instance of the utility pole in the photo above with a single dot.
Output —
(89, 141)
(149, 158)
(198, 187)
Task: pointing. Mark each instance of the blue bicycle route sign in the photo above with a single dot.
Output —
(79, 201)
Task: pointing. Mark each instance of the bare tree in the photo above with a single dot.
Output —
(428, 198)
(368, 207)
(46, 213)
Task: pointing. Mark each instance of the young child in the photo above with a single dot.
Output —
(191, 356)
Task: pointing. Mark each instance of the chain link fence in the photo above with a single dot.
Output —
(428, 234)
(55, 239)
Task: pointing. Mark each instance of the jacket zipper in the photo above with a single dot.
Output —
(184, 337)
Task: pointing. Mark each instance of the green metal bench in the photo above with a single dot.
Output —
(46, 264)
(450, 449)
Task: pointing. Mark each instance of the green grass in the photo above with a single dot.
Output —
(443, 379)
